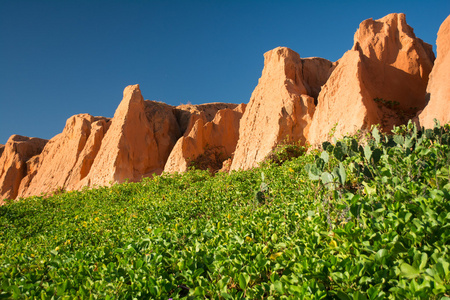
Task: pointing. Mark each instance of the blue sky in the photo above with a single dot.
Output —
(61, 58)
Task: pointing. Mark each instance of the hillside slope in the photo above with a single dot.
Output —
(351, 222)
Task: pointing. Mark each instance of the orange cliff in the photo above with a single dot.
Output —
(382, 80)
(281, 106)
(387, 63)
(209, 139)
(438, 90)
(18, 151)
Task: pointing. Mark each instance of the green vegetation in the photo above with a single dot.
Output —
(351, 222)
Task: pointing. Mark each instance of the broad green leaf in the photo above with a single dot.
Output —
(376, 135)
(244, 279)
(342, 173)
(278, 286)
(409, 271)
(367, 152)
(325, 156)
(327, 180)
(423, 261)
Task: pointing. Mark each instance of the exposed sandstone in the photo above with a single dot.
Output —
(138, 142)
(316, 72)
(187, 114)
(13, 163)
(2, 148)
(438, 89)
(207, 143)
(387, 63)
(280, 109)
(67, 157)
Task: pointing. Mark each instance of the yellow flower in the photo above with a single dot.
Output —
(332, 244)
(149, 229)
(275, 255)
(291, 170)
(57, 248)
(96, 219)
(248, 239)
(76, 217)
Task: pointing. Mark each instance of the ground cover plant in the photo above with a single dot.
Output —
(351, 221)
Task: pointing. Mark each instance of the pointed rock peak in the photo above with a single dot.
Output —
(138, 142)
(284, 64)
(280, 108)
(131, 91)
(391, 40)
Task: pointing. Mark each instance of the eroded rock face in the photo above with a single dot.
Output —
(207, 143)
(438, 90)
(382, 80)
(67, 157)
(280, 108)
(13, 163)
(2, 148)
(316, 72)
(187, 114)
(138, 142)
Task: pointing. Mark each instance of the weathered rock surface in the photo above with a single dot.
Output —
(187, 114)
(67, 157)
(387, 63)
(438, 90)
(2, 148)
(207, 143)
(13, 163)
(316, 72)
(138, 142)
(280, 108)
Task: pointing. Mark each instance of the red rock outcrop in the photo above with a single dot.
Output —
(207, 144)
(2, 148)
(138, 142)
(187, 114)
(13, 163)
(281, 106)
(438, 90)
(67, 157)
(387, 63)
(316, 72)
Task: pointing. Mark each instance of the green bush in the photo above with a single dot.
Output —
(349, 222)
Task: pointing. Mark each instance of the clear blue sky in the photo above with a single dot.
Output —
(60, 58)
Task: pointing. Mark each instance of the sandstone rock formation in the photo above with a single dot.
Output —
(281, 106)
(138, 142)
(387, 63)
(438, 90)
(67, 157)
(207, 142)
(316, 72)
(13, 163)
(188, 114)
(2, 148)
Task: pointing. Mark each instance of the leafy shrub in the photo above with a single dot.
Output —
(285, 152)
(350, 222)
(211, 159)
